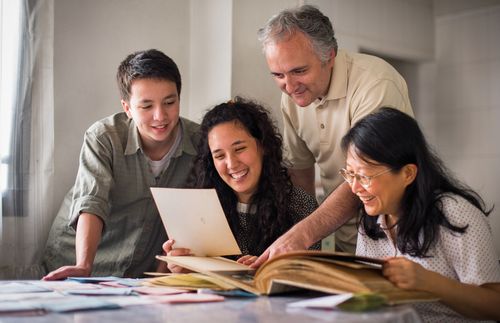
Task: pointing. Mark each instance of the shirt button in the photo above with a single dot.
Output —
(322, 126)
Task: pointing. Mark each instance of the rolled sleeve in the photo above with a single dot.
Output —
(94, 180)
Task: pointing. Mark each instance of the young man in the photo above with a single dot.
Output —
(325, 91)
(108, 222)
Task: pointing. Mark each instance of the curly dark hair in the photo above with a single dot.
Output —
(391, 138)
(274, 188)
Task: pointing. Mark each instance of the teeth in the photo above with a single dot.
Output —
(160, 127)
(239, 174)
(366, 198)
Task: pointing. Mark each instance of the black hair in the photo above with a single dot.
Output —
(145, 64)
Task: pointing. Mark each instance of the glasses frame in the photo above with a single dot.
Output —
(346, 175)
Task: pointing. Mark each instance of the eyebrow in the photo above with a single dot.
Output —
(290, 71)
(171, 96)
(237, 142)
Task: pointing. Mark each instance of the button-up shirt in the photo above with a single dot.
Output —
(113, 183)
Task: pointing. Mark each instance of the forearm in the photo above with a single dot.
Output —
(88, 236)
(340, 206)
(477, 302)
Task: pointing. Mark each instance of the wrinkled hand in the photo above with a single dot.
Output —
(247, 260)
(68, 271)
(290, 241)
(405, 273)
(170, 251)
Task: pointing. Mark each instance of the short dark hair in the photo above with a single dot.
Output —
(149, 63)
(272, 196)
(392, 138)
(306, 19)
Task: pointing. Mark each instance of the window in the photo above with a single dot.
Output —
(12, 105)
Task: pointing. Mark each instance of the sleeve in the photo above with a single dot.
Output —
(295, 150)
(472, 254)
(377, 94)
(94, 179)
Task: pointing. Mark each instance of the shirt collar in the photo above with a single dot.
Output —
(338, 81)
(187, 145)
(133, 140)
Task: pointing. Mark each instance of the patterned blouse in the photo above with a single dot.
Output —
(300, 206)
(470, 257)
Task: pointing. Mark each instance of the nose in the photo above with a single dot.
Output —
(356, 187)
(159, 113)
(289, 84)
(232, 161)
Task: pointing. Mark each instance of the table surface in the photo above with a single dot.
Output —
(251, 310)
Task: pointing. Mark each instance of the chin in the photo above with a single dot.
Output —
(371, 212)
(302, 103)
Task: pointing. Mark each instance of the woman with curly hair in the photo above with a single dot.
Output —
(431, 229)
(240, 155)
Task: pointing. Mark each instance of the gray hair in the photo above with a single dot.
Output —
(306, 19)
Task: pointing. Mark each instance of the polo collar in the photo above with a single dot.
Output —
(338, 82)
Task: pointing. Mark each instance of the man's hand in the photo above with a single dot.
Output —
(340, 206)
(88, 234)
(247, 260)
(290, 241)
(68, 271)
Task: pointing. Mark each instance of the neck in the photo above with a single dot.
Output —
(156, 151)
(391, 219)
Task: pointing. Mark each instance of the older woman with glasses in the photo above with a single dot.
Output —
(431, 229)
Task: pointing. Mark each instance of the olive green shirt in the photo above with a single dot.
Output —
(113, 182)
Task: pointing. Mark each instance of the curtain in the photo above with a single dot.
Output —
(27, 202)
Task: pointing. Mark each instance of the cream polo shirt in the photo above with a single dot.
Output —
(360, 84)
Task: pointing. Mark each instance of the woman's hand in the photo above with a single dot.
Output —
(170, 251)
(406, 274)
(247, 260)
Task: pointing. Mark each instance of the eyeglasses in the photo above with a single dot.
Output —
(363, 180)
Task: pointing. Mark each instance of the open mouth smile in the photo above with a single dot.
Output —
(239, 174)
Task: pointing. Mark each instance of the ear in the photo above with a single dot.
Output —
(126, 108)
(331, 61)
(410, 173)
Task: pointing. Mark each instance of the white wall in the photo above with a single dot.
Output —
(467, 94)
(210, 55)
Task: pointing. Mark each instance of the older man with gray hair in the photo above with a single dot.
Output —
(325, 92)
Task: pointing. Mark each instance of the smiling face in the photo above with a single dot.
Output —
(386, 191)
(297, 69)
(237, 157)
(154, 107)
